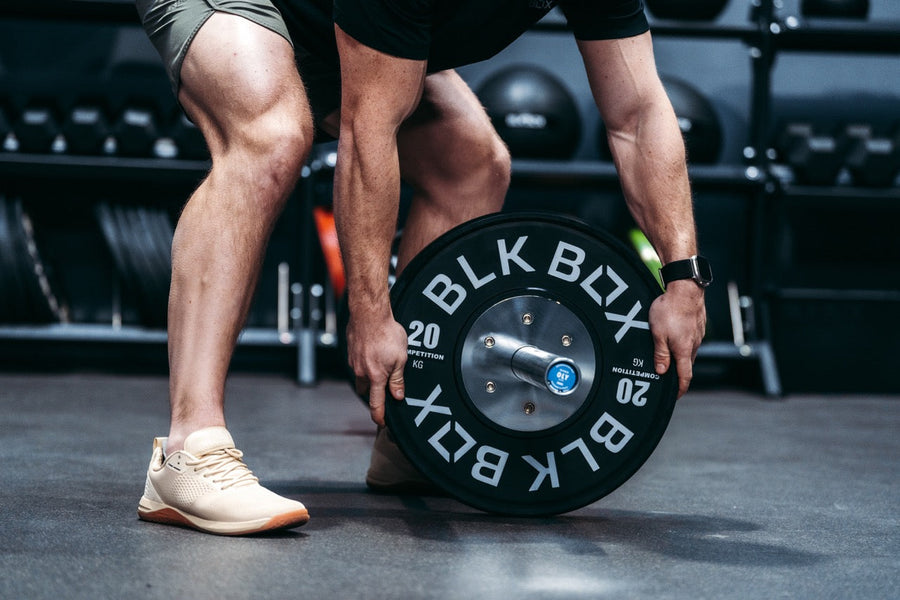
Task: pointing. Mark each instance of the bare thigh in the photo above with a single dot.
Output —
(239, 82)
(453, 158)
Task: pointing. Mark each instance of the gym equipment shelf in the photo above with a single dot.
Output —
(826, 35)
(85, 332)
(818, 291)
(100, 167)
(673, 28)
(839, 193)
(567, 172)
(560, 172)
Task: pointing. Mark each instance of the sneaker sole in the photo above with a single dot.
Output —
(155, 512)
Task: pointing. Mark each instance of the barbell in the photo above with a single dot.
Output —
(530, 387)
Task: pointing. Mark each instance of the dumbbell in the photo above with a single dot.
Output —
(137, 130)
(86, 128)
(36, 128)
(816, 157)
(872, 159)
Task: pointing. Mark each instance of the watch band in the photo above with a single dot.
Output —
(695, 267)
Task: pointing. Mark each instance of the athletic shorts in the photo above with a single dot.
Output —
(172, 24)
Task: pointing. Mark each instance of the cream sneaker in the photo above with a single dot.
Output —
(390, 472)
(208, 487)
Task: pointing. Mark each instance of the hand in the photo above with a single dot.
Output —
(376, 350)
(678, 322)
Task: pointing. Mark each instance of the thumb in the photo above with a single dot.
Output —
(661, 356)
(395, 384)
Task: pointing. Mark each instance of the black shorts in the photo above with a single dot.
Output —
(446, 33)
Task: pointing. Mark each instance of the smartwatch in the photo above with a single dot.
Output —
(695, 267)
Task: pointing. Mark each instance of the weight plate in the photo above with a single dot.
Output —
(7, 280)
(112, 236)
(159, 259)
(144, 276)
(17, 271)
(542, 281)
(43, 301)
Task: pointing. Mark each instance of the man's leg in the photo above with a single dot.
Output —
(241, 87)
(459, 169)
(457, 165)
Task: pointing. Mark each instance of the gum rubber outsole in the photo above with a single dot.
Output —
(172, 516)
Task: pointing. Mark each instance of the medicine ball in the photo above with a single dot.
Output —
(686, 10)
(858, 9)
(697, 120)
(533, 112)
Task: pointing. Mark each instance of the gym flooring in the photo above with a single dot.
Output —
(745, 497)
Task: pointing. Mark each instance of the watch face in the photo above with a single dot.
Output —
(704, 271)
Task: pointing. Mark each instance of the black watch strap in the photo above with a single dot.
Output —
(695, 267)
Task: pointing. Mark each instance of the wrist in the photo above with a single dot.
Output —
(369, 304)
(696, 269)
(685, 287)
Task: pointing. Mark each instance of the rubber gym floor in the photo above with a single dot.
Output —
(745, 497)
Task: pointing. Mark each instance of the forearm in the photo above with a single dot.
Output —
(645, 141)
(366, 197)
(651, 165)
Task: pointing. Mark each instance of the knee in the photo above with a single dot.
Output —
(274, 147)
(259, 148)
(498, 169)
(476, 166)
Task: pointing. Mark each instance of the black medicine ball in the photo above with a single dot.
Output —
(858, 9)
(697, 120)
(686, 10)
(533, 112)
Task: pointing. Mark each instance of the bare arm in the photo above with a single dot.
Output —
(648, 151)
(378, 93)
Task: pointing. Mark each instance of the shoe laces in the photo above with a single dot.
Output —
(225, 467)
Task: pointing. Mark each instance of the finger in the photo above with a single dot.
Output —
(685, 369)
(395, 384)
(376, 404)
(661, 356)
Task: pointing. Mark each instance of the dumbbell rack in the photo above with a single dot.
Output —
(791, 34)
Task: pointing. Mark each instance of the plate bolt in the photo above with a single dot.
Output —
(566, 340)
(529, 408)
(528, 318)
(490, 387)
(489, 342)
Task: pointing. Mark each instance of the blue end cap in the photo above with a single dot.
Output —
(562, 378)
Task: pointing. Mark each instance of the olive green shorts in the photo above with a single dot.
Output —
(172, 25)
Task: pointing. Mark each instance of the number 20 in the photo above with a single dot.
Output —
(631, 391)
(432, 334)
